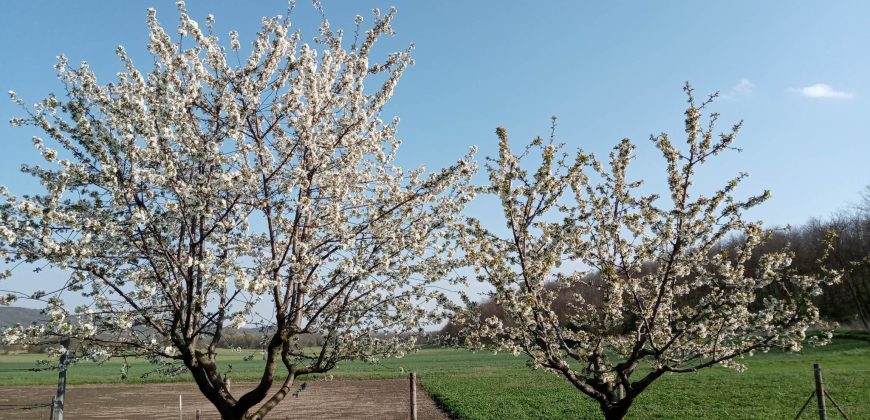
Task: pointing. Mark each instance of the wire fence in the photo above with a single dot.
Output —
(28, 410)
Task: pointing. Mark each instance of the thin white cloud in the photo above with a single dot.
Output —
(821, 90)
(743, 88)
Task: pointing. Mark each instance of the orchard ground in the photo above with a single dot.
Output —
(483, 386)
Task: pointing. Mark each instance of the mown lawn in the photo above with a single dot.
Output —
(487, 386)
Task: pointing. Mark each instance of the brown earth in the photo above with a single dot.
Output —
(363, 399)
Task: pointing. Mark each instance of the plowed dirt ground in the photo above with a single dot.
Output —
(362, 399)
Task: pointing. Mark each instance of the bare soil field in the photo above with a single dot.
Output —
(362, 399)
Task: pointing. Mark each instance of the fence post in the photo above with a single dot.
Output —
(820, 392)
(51, 412)
(57, 406)
(413, 380)
(197, 414)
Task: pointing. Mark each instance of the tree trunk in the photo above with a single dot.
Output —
(615, 413)
(617, 410)
(217, 393)
(232, 415)
(856, 297)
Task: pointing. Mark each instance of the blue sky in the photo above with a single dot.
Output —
(608, 70)
(796, 73)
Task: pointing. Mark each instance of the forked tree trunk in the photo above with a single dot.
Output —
(228, 407)
(243, 408)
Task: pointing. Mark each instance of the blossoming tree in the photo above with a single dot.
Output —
(667, 296)
(201, 195)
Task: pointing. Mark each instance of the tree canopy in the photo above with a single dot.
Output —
(668, 297)
(209, 192)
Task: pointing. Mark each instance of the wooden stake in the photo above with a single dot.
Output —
(820, 392)
(197, 414)
(180, 409)
(51, 413)
(57, 407)
(413, 381)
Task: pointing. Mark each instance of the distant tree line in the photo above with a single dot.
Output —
(847, 302)
(248, 338)
(253, 338)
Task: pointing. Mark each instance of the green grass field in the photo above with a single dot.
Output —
(487, 386)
